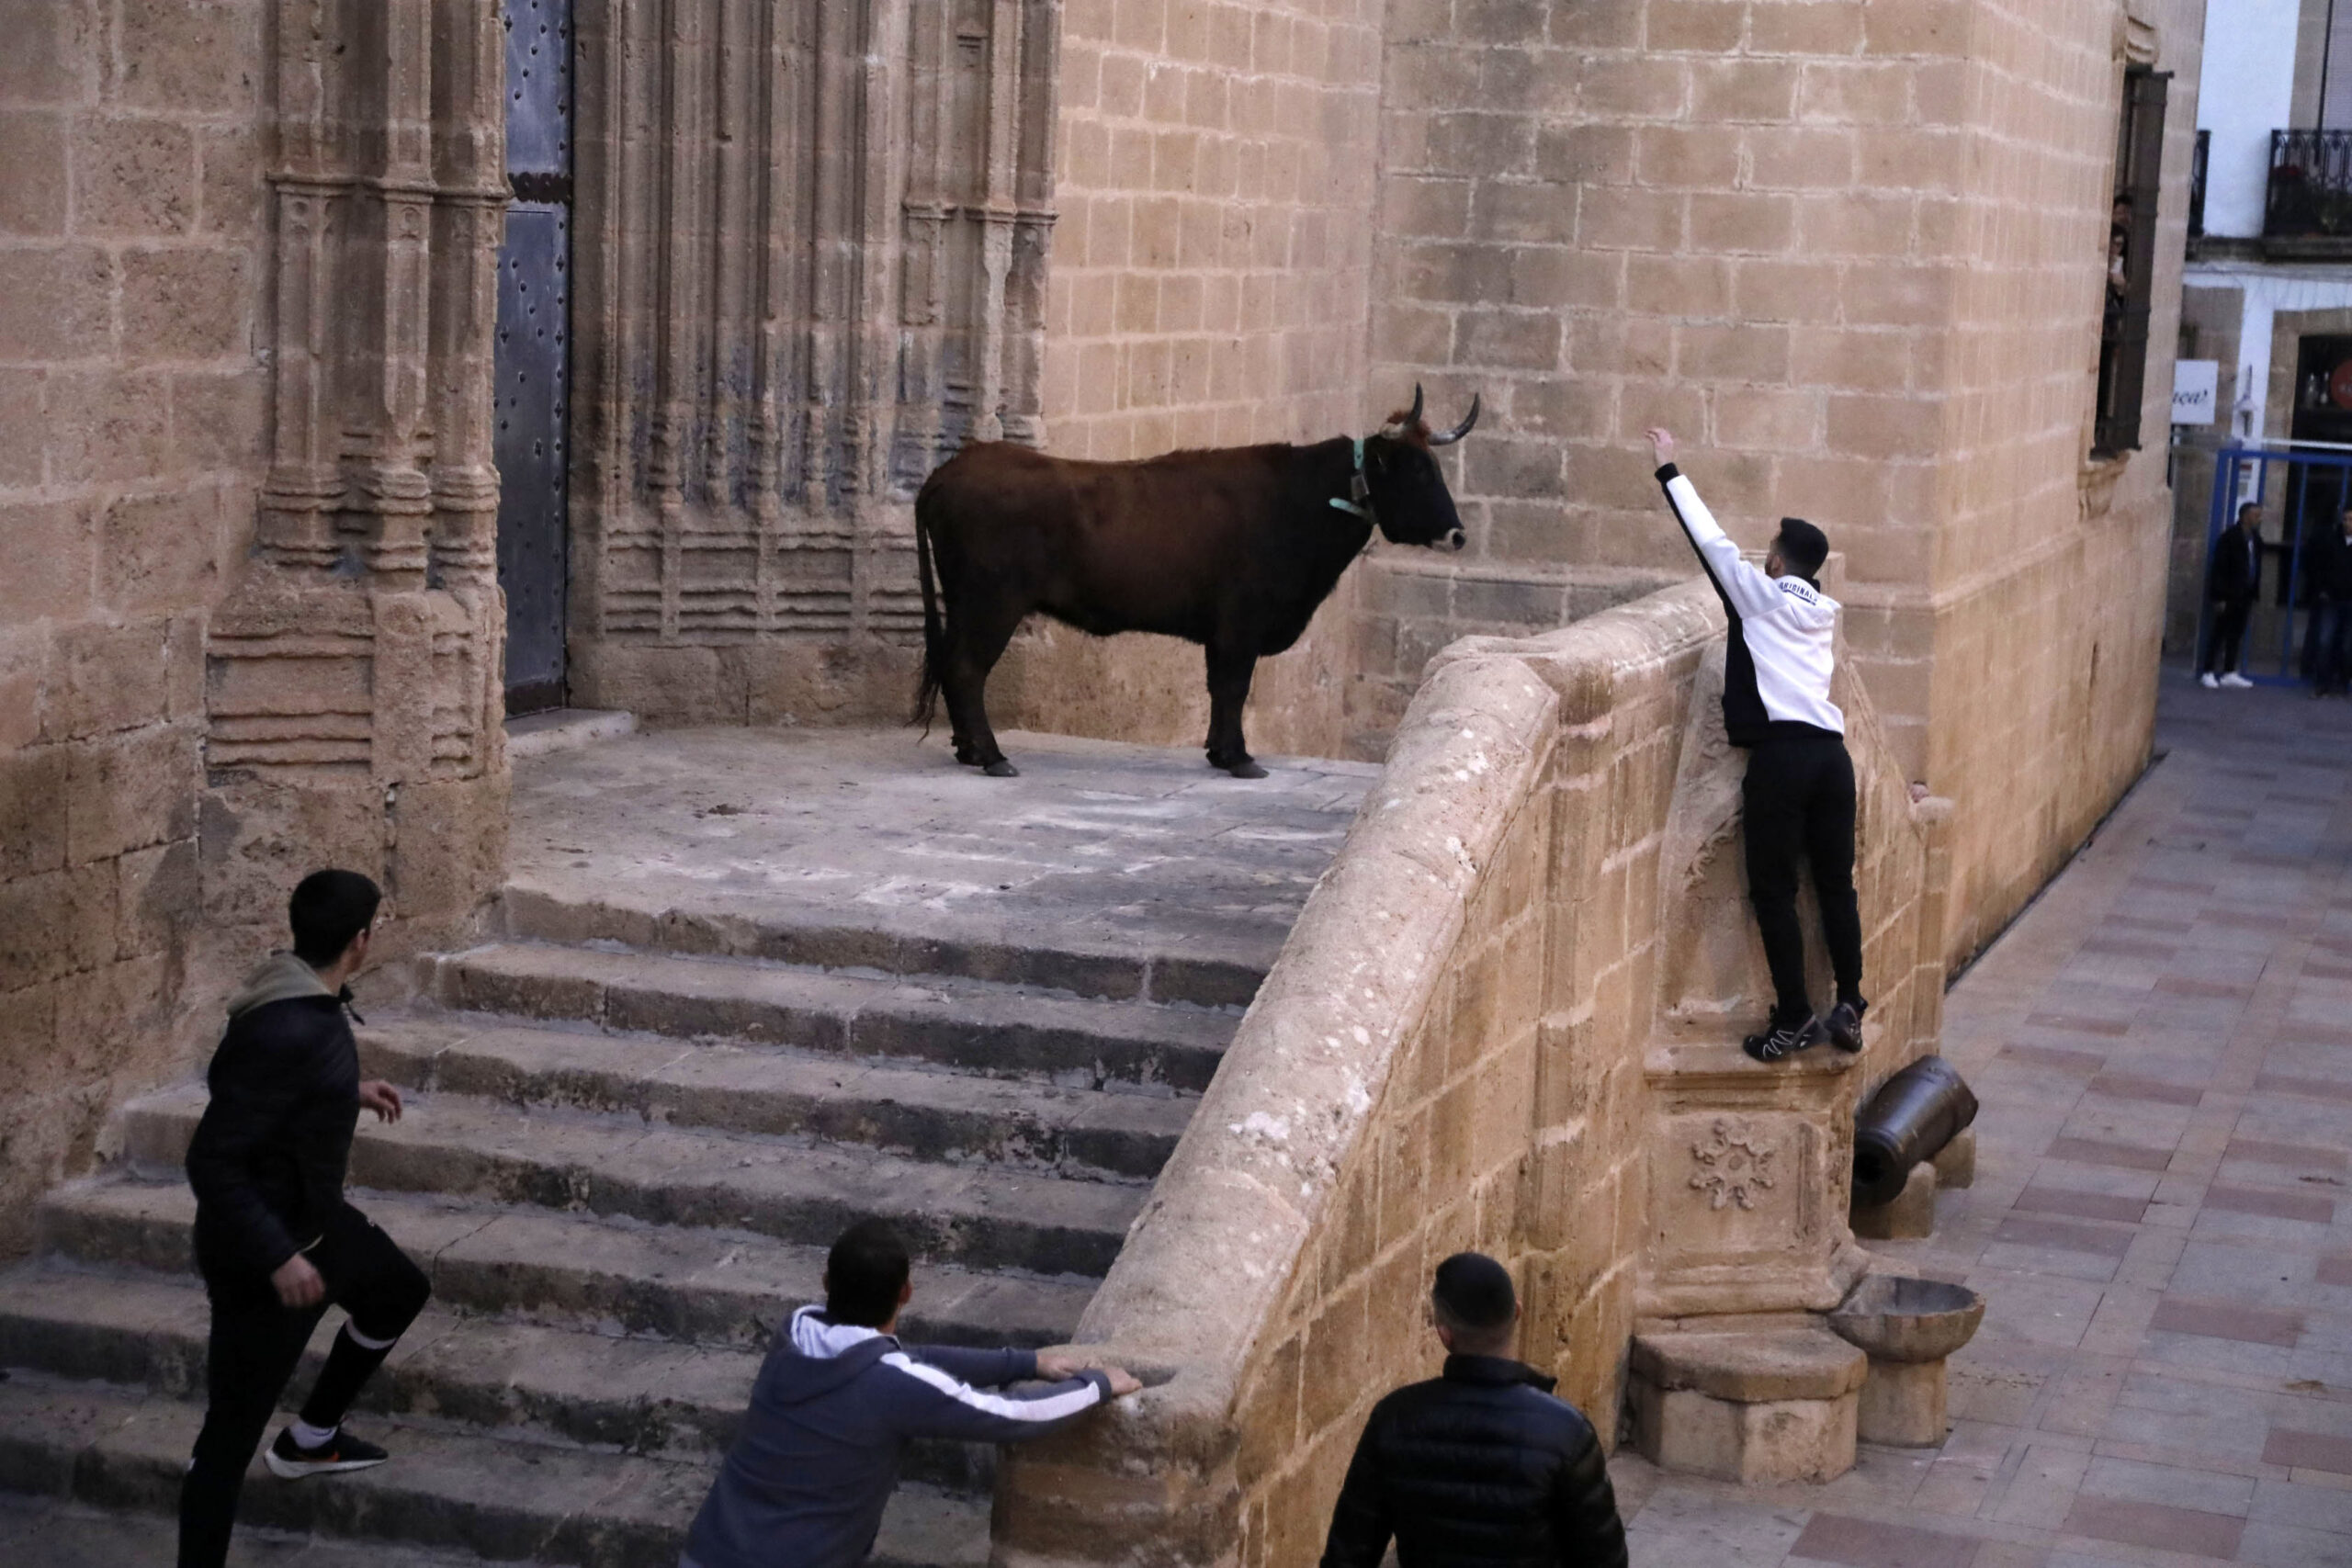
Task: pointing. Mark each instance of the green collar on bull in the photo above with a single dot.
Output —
(1359, 491)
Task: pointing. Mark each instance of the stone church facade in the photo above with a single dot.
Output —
(251, 400)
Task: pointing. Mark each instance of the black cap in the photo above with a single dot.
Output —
(1475, 1291)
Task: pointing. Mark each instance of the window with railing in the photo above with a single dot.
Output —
(2311, 184)
(2131, 264)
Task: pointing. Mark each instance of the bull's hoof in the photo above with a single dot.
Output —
(1001, 768)
(1247, 770)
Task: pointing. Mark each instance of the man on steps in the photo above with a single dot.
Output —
(1480, 1466)
(837, 1400)
(1798, 798)
(275, 1240)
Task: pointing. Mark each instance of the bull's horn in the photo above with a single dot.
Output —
(1415, 417)
(1459, 431)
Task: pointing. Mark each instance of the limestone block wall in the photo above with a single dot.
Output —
(2045, 610)
(249, 621)
(810, 246)
(1851, 253)
(132, 264)
(1454, 1050)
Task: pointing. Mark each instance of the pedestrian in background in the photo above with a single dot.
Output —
(2233, 583)
(2331, 571)
(1480, 1467)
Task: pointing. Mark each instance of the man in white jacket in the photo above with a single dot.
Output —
(1798, 798)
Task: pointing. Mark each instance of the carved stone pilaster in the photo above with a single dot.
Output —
(355, 705)
(810, 246)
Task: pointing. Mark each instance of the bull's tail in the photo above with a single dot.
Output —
(934, 634)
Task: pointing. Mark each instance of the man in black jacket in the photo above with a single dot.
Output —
(2331, 612)
(275, 1240)
(1481, 1466)
(2232, 582)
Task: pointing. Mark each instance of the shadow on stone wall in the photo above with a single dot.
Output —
(1524, 972)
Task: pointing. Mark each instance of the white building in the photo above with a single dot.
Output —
(2268, 295)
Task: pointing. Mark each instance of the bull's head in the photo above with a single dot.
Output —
(1407, 493)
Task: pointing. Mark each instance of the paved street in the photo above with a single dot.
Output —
(2162, 1223)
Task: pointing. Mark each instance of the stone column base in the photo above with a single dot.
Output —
(1776, 1402)
(1910, 1213)
(1956, 1162)
(1902, 1403)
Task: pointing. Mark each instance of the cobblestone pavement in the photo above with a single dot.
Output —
(2161, 1220)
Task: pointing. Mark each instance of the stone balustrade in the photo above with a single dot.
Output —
(1507, 995)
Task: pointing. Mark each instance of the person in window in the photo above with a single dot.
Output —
(2232, 582)
(2119, 255)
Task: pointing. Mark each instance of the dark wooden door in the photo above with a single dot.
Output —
(531, 361)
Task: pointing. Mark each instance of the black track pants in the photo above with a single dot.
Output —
(1798, 801)
(2227, 636)
(257, 1342)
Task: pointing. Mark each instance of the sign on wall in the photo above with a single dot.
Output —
(2194, 387)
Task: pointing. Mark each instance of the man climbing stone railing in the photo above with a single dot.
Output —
(1506, 1020)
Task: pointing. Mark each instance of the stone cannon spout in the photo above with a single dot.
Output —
(1911, 1117)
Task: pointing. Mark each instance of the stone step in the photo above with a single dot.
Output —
(698, 1285)
(1182, 957)
(934, 1113)
(638, 1396)
(977, 1214)
(46, 1532)
(963, 1023)
(445, 1490)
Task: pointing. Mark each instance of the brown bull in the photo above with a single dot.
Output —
(1233, 550)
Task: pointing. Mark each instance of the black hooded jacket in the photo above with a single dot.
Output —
(268, 1156)
(1481, 1466)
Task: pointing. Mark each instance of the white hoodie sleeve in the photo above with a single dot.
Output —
(1743, 585)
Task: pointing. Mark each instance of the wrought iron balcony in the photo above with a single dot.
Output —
(2310, 184)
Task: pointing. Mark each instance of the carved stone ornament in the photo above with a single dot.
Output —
(1732, 1167)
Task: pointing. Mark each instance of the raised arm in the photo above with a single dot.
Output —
(1742, 586)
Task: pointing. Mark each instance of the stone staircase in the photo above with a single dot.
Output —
(621, 1163)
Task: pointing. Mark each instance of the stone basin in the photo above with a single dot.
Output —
(1897, 1317)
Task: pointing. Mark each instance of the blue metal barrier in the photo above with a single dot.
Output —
(2301, 487)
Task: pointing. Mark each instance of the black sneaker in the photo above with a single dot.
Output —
(1844, 1025)
(1785, 1040)
(291, 1461)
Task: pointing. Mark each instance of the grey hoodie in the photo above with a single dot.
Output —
(818, 1458)
(280, 978)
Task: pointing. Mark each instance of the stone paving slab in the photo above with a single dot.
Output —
(1097, 848)
(2162, 1219)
